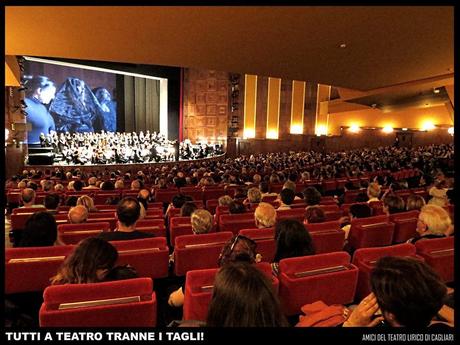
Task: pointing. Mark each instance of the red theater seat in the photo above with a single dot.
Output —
(329, 185)
(179, 226)
(365, 259)
(152, 213)
(106, 208)
(276, 187)
(30, 269)
(327, 277)
(331, 212)
(195, 193)
(211, 205)
(328, 200)
(152, 226)
(97, 217)
(313, 227)
(61, 218)
(350, 195)
(148, 256)
(405, 225)
(101, 198)
(194, 252)
(269, 198)
(74, 233)
(371, 235)
(27, 210)
(328, 241)
(265, 239)
(377, 208)
(124, 303)
(439, 254)
(293, 213)
(165, 195)
(236, 222)
(213, 193)
(198, 290)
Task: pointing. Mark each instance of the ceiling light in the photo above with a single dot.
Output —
(436, 91)
(404, 129)
(343, 45)
(387, 129)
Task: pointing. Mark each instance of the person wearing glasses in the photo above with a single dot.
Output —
(433, 222)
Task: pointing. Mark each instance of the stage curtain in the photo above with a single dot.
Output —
(142, 104)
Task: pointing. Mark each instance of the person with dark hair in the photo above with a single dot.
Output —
(177, 201)
(264, 188)
(187, 209)
(314, 214)
(107, 185)
(292, 240)
(92, 261)
(287, 197)
(362, 210)
(71, 201)
(78, 185)
(128, 213)
(236, 207)
(415, 202)
(311, 196)
(107, 109)
(393, 203)
(244, 297)
(40, 230)
(39, 93)
(51, 202)
(406, 290)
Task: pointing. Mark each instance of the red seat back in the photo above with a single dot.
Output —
(365, 259)
(152, 213)
(28, 210)
(165, 195)
(293, 213)
(194, 252)
(329, 185)
(328, 241)
(326, 277)
(213, 193)
(123, 303)
(195, 193)
(74, 233)
(148, 256)
(101, 198)
(377, 208)
(105, 208)
(211, 205)
(30, 269)
(371, 235)
(152, 226)
(265, 239)
(97, 217)
(439, 254)
(236, 222)
(405, 225)
(18, 221)
(333, 225)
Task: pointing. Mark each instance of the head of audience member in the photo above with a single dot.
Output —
(224, 200)
(362, 197)
(265, 215)
(59, 188)
(22, 184)
(287, 196)
(92, 181)
(264, 187)
(359, 211)
(48, 186)
(107, 185)
(128, 213)
(143, 197)
(292, 240)
(78, 214)
(434, 220)
(408, 291)
(187, 209)
(239, 248)
(393, 203)
(415, 202)
(40, 230)
(201, 221)
(236, 207)
(90, 262)
(52, 201)
(438, 196)
(289, 185)
(71, 201)
(70, 186)
(254, 195)
(32, 185)
(87, 201)
(136, 185)
(119, 184)
(314, 214)
(77, 185)
(28, 197)
(256, 179)
(311, 196)
(244, 297)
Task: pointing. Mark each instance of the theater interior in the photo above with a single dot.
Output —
(307, 111)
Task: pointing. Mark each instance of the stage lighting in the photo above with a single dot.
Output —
(427, 126)
(296, 129)
(354, 129)
(387, 129)
(451, 130)
(321, 130)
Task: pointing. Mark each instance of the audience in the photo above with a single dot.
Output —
(415, 202)
(187, 209)
(78, 214)
(51, 202)
(311, 196)
(314, 214)
(433, 222)
(28, 198)
(287, 198)
(40, 230)
(236, 207)
(202, 221)
(265, 216)
(393, 203)
(87, 201)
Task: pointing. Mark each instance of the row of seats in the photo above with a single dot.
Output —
(334, 278)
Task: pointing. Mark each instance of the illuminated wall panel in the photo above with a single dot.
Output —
(297, 108)
(273, 107)
(322, 109)
(250, 97)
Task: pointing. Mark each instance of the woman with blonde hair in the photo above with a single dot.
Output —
(201, 221)
(265, 215)
(415, 202)
(433, 222)
(87, 201)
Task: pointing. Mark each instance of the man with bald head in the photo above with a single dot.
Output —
(78, 214)
(28, 198)
(92, 183)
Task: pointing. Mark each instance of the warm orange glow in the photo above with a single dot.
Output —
(387, 129)
(321, 130)
(272, 134)
(451, 130)
(250, 100)
(249, 133)
(296, 129)
(354, 128)
(427, 126)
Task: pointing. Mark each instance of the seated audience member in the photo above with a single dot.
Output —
(237, 207)
(438, 195)
(70, 186)
(22, 185)
(287, 198)
(292, 240)
(128, 213)
(187, 209)
(314, 214)
(433, 222)
(107, 185)
(28, 198)
(51, 202)
(87, 201)
(78, 214)
(240, 193)
(244, 297)
(415, 202)
(224, 200)
(32, 185)
(355, 211)
(143, 197)
(202, 221)
(92, 261)
(119, 184)
(176, 202)
(59, 188)
(40, 230)
(264, 188)
(311, 196)
(77, 185)
(136, 185)
(71, 201)
(180, 180)
(256, 179)
(393, 203)
(362, 197)
(405, 293)
(254, 196)
(92, 183)
(265, 216)
(48, 186)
